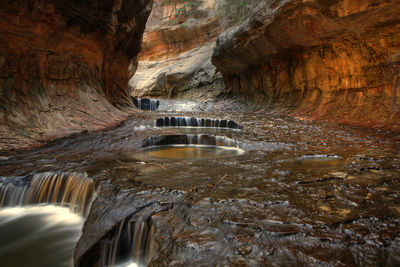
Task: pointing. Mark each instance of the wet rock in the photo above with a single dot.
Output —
(69, 70)
(244, 250)
(17, 180)
(237, 232)
(331, 60)
(111, 208)
(341, 175)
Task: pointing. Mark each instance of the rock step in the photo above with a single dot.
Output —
(195, 122)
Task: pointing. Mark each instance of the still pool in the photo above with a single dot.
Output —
(192, 151)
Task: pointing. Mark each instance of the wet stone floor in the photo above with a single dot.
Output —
(302, 193)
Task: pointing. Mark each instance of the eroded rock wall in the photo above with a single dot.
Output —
(337, 61)
(169, 34)
(65, 66)
(189, 75)
(176, 57)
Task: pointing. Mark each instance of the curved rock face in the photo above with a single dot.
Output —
(168, 34)
(332, 60)
(65, 66)
(189, 75)
(176, 57)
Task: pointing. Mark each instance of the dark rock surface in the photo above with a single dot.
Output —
(114, 205)
(303, 193)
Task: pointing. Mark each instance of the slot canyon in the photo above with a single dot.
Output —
(200, 133)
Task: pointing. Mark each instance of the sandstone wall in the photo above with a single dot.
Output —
(168, 34)
(65, 66)
(175, 61)
(337, 61)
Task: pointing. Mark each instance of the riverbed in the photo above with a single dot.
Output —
(290, 191)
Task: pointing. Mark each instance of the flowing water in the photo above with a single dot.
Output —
(34, 233)
(195, 122)
(74, 190)
(38, 236)
(279, 191)
(145, 103)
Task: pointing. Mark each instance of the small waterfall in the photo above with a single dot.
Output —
(190, 139)
(130, 242)
(71, 189)
(196, 122)
(146, 103)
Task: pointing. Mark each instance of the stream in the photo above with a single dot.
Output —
(238, 188)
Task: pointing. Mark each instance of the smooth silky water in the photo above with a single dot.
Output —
(329, 191)
(41, 217)
(38, 235)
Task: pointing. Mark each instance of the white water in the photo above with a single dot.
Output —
(131, 246)
(65, 189)
(34, 233)
(39, 235)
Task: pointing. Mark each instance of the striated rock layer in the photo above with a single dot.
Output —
(190, 75)
(170, 33)
(65, 66)
(337, 61)
(176, 57)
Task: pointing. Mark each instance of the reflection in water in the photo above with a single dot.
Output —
(192, 151)
(38, 236)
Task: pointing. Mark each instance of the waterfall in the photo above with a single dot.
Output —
(71, 189)
(190, 139)
(195, 122)
(146, 103)
(154, 104)
(131, 242)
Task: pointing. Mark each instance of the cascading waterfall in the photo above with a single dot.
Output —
(196, 122)
(190, 139)
(71, 189)
(146, 103)
(44, 234)
(130, 243)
